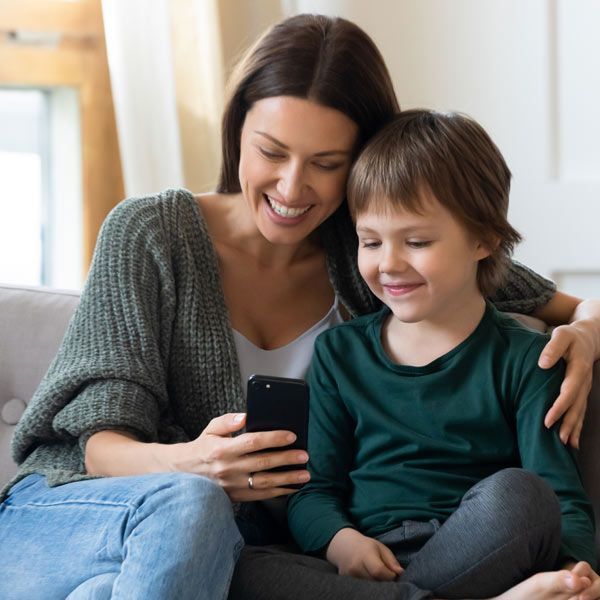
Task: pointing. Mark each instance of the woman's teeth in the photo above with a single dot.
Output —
(286, 211)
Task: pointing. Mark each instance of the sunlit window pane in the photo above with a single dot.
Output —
(40, 187)
(20, 218)
(23, 143)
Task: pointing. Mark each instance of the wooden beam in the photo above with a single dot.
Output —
(72, 18)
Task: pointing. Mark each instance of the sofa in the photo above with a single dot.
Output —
(33, 322)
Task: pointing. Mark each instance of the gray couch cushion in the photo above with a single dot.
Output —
(32, 324)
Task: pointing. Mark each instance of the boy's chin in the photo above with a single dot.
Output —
(406, 316)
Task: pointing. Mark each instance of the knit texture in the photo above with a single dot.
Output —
(150, 349)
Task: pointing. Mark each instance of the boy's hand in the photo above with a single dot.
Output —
(360, 556)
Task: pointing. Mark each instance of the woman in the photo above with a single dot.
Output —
(185, 293)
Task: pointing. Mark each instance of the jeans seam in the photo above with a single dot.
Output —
(34, 504)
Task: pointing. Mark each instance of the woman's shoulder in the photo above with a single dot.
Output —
(171, 201)
(169, 214)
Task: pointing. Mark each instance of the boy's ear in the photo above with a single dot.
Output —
(484, 249)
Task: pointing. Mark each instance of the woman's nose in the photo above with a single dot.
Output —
(291, 183)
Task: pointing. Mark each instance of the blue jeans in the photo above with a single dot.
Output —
(160, 536)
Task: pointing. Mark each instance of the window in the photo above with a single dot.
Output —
(40, 187)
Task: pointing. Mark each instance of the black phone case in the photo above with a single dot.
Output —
(279, 403)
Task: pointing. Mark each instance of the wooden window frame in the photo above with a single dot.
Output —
(78, 60)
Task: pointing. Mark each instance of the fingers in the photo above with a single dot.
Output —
(226, 424)
(265, 480)
(556, 348)
(389, 560)
(248, 443)
(570, 429)
(265, 461)
(571, 402)
(381, 564)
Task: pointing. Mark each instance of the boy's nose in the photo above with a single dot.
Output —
(392, 262)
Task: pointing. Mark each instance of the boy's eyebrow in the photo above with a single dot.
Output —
(362, 229)
(284, 147)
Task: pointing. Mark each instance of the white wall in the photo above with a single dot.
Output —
(530, 73)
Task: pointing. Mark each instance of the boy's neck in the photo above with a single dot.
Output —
(420, 343)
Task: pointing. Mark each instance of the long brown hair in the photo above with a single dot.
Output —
(325, 59)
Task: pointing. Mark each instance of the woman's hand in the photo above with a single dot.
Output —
(360, 556)
(231, 461)
(574, 343)
(579, 344)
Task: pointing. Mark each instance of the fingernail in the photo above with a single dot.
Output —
(291, 437)
(302, 457)
(239, 417)
(544, 362)
(304, 477)
(570, 582)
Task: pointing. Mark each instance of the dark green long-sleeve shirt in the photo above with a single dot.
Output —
(389, 443)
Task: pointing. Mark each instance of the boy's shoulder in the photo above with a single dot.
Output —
(517, 338)
(351, 331)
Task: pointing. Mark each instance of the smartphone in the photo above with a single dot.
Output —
(275, 403)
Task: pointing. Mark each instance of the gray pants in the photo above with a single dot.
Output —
(506, 528)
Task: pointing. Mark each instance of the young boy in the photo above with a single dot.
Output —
(428, 458)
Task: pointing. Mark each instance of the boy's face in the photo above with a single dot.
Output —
(424, 267)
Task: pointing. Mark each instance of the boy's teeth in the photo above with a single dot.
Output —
(285, 211)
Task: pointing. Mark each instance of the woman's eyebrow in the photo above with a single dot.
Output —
(284, 147)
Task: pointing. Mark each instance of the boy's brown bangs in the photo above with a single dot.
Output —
(381, 183)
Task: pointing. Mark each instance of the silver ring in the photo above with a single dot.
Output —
(251, 481)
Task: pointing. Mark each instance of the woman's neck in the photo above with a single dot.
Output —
(230, 224)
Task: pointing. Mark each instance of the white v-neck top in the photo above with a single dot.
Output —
(291, 360)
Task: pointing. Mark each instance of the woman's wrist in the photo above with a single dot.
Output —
(117, 453)
(586, 316)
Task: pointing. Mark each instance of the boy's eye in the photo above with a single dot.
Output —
(370, 244)
(418, 243)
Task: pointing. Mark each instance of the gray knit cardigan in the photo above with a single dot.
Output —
(150, 350)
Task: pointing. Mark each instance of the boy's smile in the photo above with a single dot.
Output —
(423, 266)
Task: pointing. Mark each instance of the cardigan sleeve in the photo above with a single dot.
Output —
(524, 290)
(110, 371)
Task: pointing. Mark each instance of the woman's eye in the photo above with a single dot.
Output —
(418, 243)
(270, 155)
(328, 166)
(366, 244)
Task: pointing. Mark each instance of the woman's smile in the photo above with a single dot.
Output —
(289, 215)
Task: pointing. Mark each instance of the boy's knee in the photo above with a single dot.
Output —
(521, 496)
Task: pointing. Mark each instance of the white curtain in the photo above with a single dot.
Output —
(139, 56)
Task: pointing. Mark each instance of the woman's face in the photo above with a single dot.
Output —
(294, 162)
